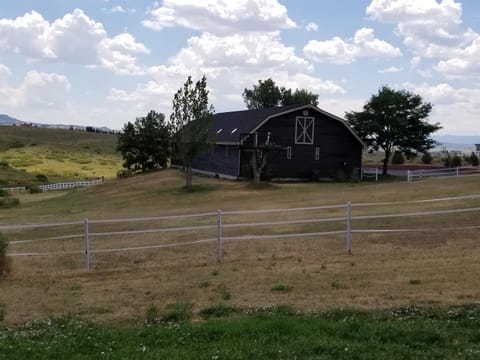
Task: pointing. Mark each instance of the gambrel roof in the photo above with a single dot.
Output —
(229, 125)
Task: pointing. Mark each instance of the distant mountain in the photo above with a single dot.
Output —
(8, 120)
(458, 140)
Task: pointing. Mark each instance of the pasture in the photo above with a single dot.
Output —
(437, 267)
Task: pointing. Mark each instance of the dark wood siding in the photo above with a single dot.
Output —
(221, 160)
(339, 150)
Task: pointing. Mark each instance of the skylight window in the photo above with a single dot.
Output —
(219, 131)
(234, 130)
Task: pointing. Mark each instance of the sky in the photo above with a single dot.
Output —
(107, 62)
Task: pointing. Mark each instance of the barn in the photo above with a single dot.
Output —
(310, 143)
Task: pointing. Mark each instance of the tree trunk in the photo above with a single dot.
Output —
(385, 162)
(188, 178)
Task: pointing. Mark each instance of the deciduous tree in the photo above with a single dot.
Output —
(394, 120)
(191, 120)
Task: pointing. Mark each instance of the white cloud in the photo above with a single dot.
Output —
(75, 38)
(220, 16)
(390, 70)
(5, 73)
(116, 9)
(339, 51)
(37, 90)
(466, 64)
(311, 26)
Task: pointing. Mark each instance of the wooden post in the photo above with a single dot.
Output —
(408, 175)
(457, 170)
(86, 244)
(376, 174)
(349, 228)
(219, 235)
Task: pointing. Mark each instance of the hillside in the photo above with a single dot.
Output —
(59, 153)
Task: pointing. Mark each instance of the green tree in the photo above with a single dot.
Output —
(473, 159)
(191, 120)
(426, 158)
(394, 120)
(268, 94)
(398, 158)
(145, 144)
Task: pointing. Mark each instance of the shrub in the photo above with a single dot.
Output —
(281, 288)
(474, 159)
(34, 189)
(447, 162)
(7, 201)
(42, 178)
(177, 313)
(4, 264)
(218, 311)
(426, 158)
(456, 161)
(398, 158)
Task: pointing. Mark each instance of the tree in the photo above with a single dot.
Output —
(145, 144)
(191, 120)
(473, 159)
(268, 94)
(394, 120)
(426, 158)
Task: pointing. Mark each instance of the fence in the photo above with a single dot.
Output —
(59, 186)
(222, 227)
(413, 175)
(368, 173)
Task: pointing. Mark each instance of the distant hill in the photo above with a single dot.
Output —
(8, 120)
(458, 140)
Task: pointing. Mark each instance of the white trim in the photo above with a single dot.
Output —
(304, 124)
(334, 117)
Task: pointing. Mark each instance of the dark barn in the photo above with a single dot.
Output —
(309, 144)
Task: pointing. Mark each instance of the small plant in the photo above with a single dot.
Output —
(214, 273)
(281, 288)
(224, 292)
(456, 161)
(218, 311)
(398, 158)
(42, 178)
(4, 263)
(204, 284)
(415, 282)
(177, 313)
(34, 189)
(335, 285)
(426, 158)
(152, 314)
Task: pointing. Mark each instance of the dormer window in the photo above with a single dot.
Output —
(304, 130)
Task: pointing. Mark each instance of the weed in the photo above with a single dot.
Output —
(415, 282)
(178, 312)
(204, 284)
(224, 292)
(281, 288)
(214, 273)
(218, 311)
(151, 314)
(4, 264)
(335, 285)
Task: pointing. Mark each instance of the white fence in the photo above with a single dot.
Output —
(216, 224)
(369, 173)
(413, 175)
(59, 186)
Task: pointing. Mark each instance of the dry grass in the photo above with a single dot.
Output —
(385, 270)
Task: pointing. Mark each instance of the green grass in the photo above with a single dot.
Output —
(407, 333)
(58, 153)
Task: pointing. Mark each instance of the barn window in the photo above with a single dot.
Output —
(289, 152)
(304, 129)
(317, 153)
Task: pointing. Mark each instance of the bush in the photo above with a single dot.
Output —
(447, 162)
(456, 161)
(42, 178)
(177, 313)
(398, 158)
(6, 200)
(4, 264)
(426, 158)
(473, 159)
(35, 190)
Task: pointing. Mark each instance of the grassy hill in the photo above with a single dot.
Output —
(56, 153)
(436, 267)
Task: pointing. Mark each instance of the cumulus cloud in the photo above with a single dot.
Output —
(37, 90)
(75, 38)
(465, 64)
(220, 16)
(339, 51)
(390, 70)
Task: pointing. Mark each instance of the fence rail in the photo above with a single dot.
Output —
(219, 222)
(59, 186)
(413, 175)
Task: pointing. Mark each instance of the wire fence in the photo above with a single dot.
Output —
(101, 236)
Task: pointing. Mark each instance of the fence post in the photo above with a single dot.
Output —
(86, 244)
(457, 170)
(219, 235)
(408, 175)
(376, 174)
(349, 228)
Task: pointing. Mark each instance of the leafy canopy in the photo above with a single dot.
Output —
(268, 94)
(145, 144)
(394, 120)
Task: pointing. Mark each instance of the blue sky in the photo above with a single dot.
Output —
(106, 62)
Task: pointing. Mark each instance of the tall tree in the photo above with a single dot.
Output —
(394, 120)
(268, 94)
(145, 144)
(191, 120)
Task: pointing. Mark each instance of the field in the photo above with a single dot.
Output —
(430, 268)
(57, 153)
